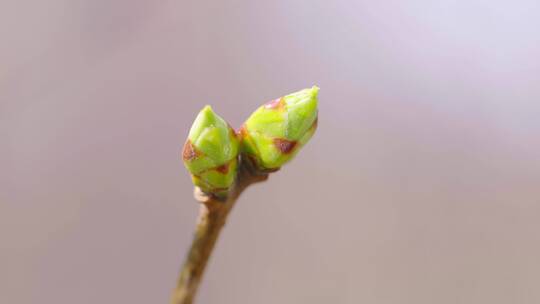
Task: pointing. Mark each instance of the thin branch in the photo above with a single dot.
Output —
(212, 217)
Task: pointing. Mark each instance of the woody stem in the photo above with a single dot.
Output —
(212, 217)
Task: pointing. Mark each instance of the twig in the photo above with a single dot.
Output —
(212, 217)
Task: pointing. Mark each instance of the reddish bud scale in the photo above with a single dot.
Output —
(285, 146)
(223, 169)
(189, 152)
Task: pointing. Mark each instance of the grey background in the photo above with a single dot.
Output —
(420, 186)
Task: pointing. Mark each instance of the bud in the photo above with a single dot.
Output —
(211, 153)
(276, 131)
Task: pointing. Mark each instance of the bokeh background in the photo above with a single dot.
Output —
(422, 184)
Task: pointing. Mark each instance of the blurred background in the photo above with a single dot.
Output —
(422, 184)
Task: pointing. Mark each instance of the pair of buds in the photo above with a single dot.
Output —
(269, 138)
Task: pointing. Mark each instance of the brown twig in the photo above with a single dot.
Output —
(212, 217)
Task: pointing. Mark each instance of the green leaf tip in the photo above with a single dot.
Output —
(275, 132)
(211, 153)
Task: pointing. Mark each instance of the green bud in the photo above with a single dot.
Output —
(276, 131)
(211, 153)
